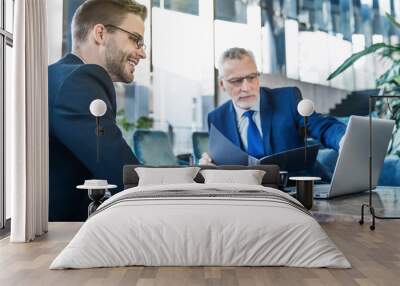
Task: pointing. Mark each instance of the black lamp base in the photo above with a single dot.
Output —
(374, 216)
(97, 196)
(372, 100)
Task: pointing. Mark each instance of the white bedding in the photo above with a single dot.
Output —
(182, 231)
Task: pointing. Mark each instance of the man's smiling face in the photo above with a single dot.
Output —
(122, 53)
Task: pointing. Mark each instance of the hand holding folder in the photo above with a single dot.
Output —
(224, 152)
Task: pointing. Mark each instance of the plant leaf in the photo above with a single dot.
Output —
(392, 20)
(391, 75)
(397, 80)
(388, 52)
(121, 112)
(356, 56)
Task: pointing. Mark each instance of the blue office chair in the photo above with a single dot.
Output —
(200, 144)
(153, 147)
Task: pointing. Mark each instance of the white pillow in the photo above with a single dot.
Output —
(248, 177)
(165, 176)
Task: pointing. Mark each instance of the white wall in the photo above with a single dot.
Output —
(54, 29)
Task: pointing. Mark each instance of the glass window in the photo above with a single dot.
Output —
(386, 28)
(273, 37)
(155, 3)
(313, 15)
(9, 13)
(290, 8)
(8, 80)
(316, 15)
(342, 21)
(182, 74)
(358, 29)
(335, 16)
(185, 6)
(5, 88)
(376, 19)
(233, 11)
(1, 15)
(366, 20)
(268, 10)
(2, 191)
(69, 7)
(396, 13)
(306, 8)
(346, 19)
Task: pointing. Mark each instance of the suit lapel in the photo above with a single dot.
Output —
(266, 119)
(233, 133)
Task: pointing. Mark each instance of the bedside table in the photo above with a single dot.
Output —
(97, 190)
(304, 190)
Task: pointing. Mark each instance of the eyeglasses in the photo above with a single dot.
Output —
(238, 81)
(138, 39)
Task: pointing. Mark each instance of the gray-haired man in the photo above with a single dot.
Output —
(264, 121)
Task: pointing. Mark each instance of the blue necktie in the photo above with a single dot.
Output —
(255, 145)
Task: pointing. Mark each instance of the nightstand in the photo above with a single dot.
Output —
(304, 190)
(97, 191)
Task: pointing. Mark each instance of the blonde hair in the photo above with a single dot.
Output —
(111, 12)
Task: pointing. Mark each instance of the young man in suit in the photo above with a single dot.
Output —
(264, 121)
(107, 45)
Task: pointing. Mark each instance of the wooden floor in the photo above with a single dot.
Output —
(374, 255)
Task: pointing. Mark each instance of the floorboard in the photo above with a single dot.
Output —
(375, 257)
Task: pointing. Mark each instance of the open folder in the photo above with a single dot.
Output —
(223, 152)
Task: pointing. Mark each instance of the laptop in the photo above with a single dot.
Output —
(351, 173)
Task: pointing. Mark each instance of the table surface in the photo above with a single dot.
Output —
(83, 187)
(305, 178)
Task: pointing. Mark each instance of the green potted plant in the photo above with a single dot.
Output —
(123, 121)
(128, 127)
(390, 80)
(142, 122)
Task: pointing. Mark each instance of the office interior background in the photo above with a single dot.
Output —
(295, 43)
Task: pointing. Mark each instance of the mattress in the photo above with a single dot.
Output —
(201, 225)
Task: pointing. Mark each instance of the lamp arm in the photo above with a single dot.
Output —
(305, 138)
(99, 132)
(97, 139)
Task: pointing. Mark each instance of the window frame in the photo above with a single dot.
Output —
(6, 39)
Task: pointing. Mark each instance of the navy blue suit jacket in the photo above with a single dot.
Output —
(72, 146)
(280, 122)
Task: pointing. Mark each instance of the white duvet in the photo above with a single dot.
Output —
(183, 231)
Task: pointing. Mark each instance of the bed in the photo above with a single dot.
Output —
(197, 224)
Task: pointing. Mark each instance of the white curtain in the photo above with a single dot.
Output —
(27, 124)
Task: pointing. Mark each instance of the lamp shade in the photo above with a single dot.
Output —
(305, 107)
(98, 107)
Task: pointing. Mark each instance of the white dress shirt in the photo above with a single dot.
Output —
(243, 122)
